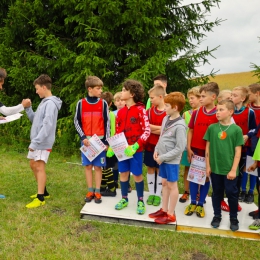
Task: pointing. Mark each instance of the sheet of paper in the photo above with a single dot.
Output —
(11, 118)
(197, 171)
(249, 162)
(94, 149)
(118, 144)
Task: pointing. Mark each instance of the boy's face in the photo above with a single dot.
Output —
(207, 98)
(194, 101)
(155, 99)
(223, 112)
(252, 96)
(237, 97)
(159, 82)
(95, 92)
(126, 94)
(169, 110)
(119, 103)
(1, 84)
(40, 90)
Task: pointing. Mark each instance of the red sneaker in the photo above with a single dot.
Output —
(224, 206)
(165, 220)
(158, 214)
(239, 208)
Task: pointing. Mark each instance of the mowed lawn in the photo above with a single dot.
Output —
(229, 81)
(55, 230)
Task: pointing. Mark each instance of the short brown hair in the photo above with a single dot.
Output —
(107, 96)
(43, 80)
(195, 91)
(210, 87)
(254, 87)
(136, 89)
(228, 103)
(175, 99)
(158, 90)
(93, 81)
(244, 91)
(161, 77)
(3, 74)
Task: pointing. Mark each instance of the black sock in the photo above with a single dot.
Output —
(110, 180)
(40, 197)
(46, 193)
(104, 179)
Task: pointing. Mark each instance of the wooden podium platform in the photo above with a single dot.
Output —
(192, 224)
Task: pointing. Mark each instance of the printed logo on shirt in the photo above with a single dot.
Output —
(102, 160)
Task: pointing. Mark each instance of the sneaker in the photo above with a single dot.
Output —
(184, 197)
(255, 225)
(157, 200)
(190, 209)
(165, 220)
(256, 216)
(35, 204)
(158, 214)
(97, 198)
(234, 224)
(200, 211)
(150, 200)
(89, 196)
(253, 213)
(249, 198)
(224, 206)
(242, 196)
(121, 204)
(34, 196)
(129, 188)
(108, 193)
(239, 208)
(140, 207)
(215, 222)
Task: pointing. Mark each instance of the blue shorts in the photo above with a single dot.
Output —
(184, 159)
(149, 161)
(170, 172)
(99, 161)
(133, 165)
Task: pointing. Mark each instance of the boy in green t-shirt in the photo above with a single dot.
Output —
(223, 152)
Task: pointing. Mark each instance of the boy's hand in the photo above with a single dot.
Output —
(190, 155)
(110, 152)
(85, 142)
(158, 160)
(26, 102)
(155, 155)
(252, 167)
(245, 137)
(231, 175)
(131, 149)
(2, 118)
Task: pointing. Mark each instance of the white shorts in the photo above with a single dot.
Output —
(39, 155)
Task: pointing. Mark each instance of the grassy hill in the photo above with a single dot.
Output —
(229, 81)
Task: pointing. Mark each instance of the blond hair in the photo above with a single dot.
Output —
(195, 91)
(117, 95)
(158, 90)
(244, 92)
(223, 92)
(3, 74)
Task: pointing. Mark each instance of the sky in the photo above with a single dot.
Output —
(237, 36)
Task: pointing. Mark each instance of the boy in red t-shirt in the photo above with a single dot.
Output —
(155, 115)
(133, 122)
(199, 123)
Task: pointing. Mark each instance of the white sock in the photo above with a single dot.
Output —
(159, 186)
(150, 182)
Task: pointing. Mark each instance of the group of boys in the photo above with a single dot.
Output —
(224, 134)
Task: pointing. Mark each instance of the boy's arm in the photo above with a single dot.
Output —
(50, 116)
(30, 113)
(106, 122)
(233, 173)
(155, 129)
(208, 169)
(7, 111)
(189, 137)
(78, 123)
(145, 127)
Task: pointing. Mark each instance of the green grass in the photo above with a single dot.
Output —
(55, 231)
